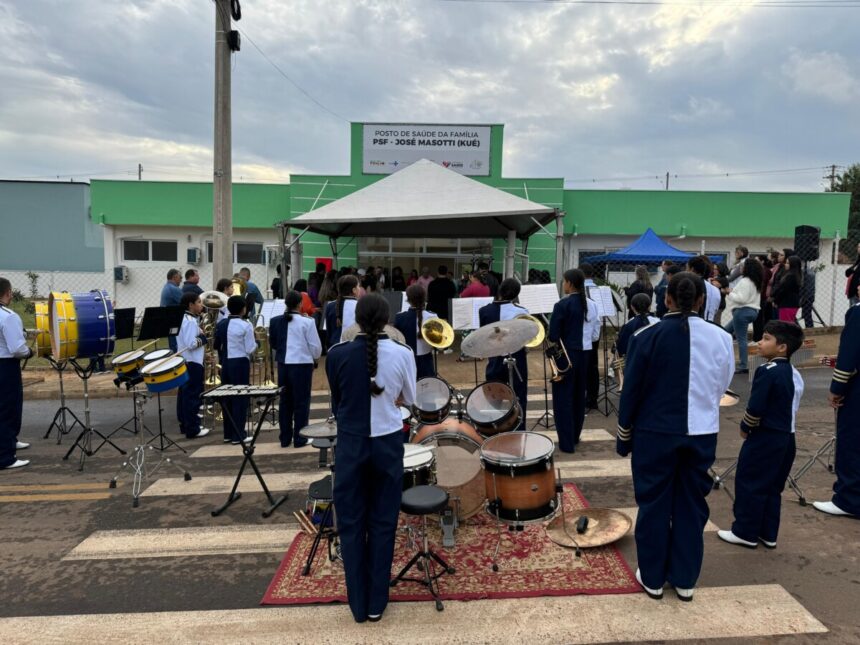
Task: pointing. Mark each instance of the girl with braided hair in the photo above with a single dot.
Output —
(409, 324)
(294, 339)
(670, 425)
(340, 314)
(369, 377)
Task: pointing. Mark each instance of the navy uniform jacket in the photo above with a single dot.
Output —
(775, 397)
(492, 313)
(333, 332)
(406, 322)
(357, 411)
(848, 359)
(702, 364)
(568, 323)
(631, 327)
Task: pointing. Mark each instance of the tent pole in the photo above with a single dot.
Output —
(509, 256)
(333, 244)
(559, 247)
(282, 252)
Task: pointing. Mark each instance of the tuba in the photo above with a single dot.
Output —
(537, 341)
(212, 301)
(437, 333)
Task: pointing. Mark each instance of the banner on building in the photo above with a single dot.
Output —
(461, 148)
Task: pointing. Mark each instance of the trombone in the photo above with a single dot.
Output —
(559, 360)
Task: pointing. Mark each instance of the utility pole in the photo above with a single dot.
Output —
(832, 178)
(667, 181)
(222, 213)
(139, 172)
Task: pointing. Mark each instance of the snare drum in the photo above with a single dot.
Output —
(417, 465)
(519, 477)
(493, 408)
(129, 363)
(458, 466)
(164, 375)
(156, 354)
(82, 324)
(43, 325)
(432, 399)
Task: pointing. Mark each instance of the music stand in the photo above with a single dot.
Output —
(157, 323)
(124, 325)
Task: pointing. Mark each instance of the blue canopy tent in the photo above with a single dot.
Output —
(648, 248)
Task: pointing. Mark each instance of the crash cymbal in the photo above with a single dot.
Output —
(353, 330)
(605, 526)
(437, 333)
(729, 399)
(324, 430)
(498, 339)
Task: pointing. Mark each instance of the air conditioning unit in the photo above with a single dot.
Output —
(120, 274)
(193, 255)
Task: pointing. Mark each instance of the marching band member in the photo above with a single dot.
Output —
(13, 347)
(409, 324)
(294, 339)
(701, 266)
(670, 426)
(845, 397)
(574, 322)
(235, 342)
(504, 308)
(340, 314)
(639, 304)
(369, 377)
(768, 429)
(191, 336)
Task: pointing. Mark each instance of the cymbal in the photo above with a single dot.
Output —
(605, 526)
(498, 339)
(213, 299)
(729, 399)
(324, 430)
(353, 330)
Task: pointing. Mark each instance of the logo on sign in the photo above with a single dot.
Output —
(446, 163)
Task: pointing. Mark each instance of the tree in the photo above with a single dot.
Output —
(849, 182)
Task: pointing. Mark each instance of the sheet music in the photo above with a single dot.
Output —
(464, 312)
(404, 304)
(539, 298)
(602, 296)
(270, 309)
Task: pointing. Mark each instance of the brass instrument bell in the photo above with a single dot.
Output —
(239, 286)
(437, 333)
(537, 341)
(213, 299)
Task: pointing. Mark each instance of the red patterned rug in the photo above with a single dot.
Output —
(530, 565)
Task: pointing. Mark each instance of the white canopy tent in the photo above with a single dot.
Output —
(425, 199)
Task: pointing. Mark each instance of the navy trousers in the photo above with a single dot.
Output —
(294, 408)
(592, 379)
(188, 400)
(235, 371)
(424, 365)
(568, 402)
(11, 408)
(498, 371)
(367, 487)
(846, 490)
(763, 466)
(670, 482)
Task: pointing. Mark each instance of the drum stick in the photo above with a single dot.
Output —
(166, 358)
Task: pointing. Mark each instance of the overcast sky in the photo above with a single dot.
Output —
(585, 92)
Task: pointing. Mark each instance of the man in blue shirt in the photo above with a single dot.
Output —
(192, 278)
(253, 290)
(171, 296)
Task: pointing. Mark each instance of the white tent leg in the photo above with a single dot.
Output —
(509, 255)
(559, 248)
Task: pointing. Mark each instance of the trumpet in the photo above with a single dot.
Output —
(559, 360)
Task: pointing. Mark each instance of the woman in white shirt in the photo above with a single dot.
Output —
(745, 297)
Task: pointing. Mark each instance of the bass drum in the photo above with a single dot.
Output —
(493, 408)
(432, 399)
(43, 326)
(458, 466)
(82, 324)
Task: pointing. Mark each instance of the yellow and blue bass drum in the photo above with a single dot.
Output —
(43, 326)
(82, 324)
(165, 374)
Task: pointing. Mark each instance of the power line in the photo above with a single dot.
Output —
(661, 178)
(780, 4)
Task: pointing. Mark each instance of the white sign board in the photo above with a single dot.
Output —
(391, 146)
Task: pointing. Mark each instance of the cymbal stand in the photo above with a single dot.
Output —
(546, 420)
(559, 489)
(84, 441)
(829, 449)
(59, 421)
(164, 442)
(136, 462)
(511, 364)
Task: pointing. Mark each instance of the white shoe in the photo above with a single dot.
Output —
(830, 508)
(731, 538)
(767, 545)
(247, 439)
(19, 463)
(203, 432)
(20, 445)
(684, 594)
(656, 594)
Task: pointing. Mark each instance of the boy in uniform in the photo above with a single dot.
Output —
(235, 342)
(768, 431)
(192, 337)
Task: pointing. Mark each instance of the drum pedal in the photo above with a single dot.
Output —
(448, 522)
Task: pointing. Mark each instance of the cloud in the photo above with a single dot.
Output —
(822, 74)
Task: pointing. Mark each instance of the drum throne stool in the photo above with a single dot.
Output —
(423, 501)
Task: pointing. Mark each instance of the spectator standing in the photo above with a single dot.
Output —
(720, 279)
(741, 255)
(745, 298)
(488, 278)
(192, 278)
(398, 282)
(764, 314)
(807, 296)
(853, 275)
(476, 288)
(253, 290)
(642, 284)
(440, 291)
(425, 279)
(276, 283)
(413, 278)
(171, 296)
(786, 294)
(670, 269)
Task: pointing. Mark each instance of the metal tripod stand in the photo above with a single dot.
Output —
(60, 421)
(829, 449)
